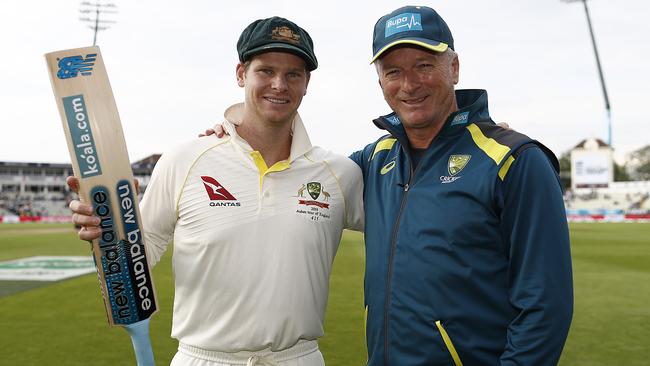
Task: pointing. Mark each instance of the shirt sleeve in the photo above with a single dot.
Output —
(540, 275)
(355, 217)
(158, 209)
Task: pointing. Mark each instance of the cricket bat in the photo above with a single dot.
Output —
(101, 163)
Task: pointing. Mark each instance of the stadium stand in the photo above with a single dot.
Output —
(38, 190)
(594, 195)
(609, 200)
(619, 201)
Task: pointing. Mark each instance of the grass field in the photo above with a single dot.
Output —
(64, 323)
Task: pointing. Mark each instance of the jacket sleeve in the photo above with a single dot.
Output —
(357, 158)
(540, 282)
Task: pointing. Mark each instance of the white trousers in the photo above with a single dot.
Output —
(305, 353)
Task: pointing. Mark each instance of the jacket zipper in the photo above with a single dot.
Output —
(389, 274)
(393, 245)
(390, 269)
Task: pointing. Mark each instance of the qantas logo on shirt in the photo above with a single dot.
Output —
(217, 192)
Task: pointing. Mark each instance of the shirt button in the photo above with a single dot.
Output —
(267, 194)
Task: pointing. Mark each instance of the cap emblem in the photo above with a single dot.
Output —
(285, 34)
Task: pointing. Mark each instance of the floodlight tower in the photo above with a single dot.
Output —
(97, 9)
(600, 71)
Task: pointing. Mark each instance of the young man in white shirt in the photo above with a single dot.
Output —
(256, 216)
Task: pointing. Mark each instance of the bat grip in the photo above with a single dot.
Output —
(139, 333)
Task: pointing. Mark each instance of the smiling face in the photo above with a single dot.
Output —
(419, 86)
(274, 84)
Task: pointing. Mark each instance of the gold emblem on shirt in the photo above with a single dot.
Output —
(457, 163)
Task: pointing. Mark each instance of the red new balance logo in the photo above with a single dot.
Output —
(216, 191)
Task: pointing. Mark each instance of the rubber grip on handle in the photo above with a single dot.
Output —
(139, 333)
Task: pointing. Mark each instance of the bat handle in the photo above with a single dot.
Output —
(139, 333)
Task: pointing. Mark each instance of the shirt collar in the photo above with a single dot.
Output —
(300, 143)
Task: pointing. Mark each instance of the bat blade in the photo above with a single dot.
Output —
(101, 163)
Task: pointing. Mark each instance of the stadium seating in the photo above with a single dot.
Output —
(603, 199)
(38, 190)
(621, 201)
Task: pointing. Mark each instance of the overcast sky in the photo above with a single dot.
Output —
(172, 68)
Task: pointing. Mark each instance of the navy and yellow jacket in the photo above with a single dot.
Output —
(467, 254)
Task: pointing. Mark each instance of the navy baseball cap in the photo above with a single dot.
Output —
(276, 34)
(417, 25)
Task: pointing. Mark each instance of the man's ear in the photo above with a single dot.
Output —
(307, 82)
(377, 66)
(455, 65)
(240, 72)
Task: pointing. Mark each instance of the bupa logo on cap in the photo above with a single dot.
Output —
(460, 119)
(402, 23)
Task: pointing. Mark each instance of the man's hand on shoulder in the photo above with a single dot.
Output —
(217, 130)
(504, 125)
(210, 132)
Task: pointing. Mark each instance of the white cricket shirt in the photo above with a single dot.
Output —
(253, 245)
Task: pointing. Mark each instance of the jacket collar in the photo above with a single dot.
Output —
(472, 107)
(300, 143)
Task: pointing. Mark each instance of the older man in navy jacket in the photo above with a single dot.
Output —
(467, 245)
